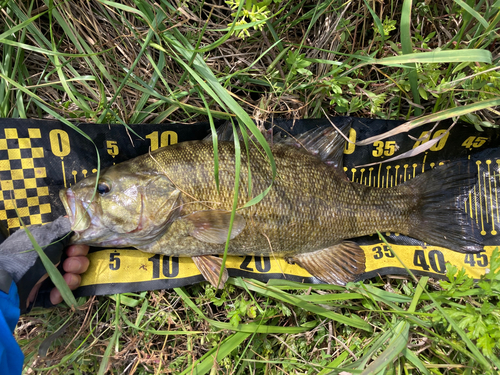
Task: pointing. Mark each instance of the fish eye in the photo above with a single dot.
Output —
(103, 188)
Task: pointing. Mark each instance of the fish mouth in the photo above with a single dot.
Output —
(79, 215)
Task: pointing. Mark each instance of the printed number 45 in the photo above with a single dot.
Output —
(481, 259)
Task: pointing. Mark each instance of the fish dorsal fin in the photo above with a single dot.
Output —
(325, 142)
(225, 133)
(337, 264)
(212, 226)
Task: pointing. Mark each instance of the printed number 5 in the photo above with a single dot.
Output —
(114, 261)
(112, 148)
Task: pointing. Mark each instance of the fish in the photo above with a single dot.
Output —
(168, 202)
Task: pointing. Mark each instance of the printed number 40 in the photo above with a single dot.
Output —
(435, 261)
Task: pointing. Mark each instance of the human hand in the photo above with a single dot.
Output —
(76, 264)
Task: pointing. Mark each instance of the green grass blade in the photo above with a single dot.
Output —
(237, 171)
(40, 50)
(418, 293)
(376, 20)
(215, 142)
(396, 346)
(472, 12)
(125, 8)
(52, 270)
(413, 358)
(21, 26)
(473, 55)
(407, 48)
(113, 342)
(208, 362)
(353, 321)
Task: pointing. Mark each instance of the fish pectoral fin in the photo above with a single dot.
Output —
(212, 226)
(210, 267)
(337, 264)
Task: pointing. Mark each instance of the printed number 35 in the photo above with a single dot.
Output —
(380, 252)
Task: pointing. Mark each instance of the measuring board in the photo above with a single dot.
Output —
(38, 158)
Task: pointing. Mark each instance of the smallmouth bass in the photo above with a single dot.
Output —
(167, 202)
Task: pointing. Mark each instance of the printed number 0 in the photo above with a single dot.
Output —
(59, 142)
(349, 147)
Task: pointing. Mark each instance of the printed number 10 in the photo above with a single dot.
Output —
(167, 138)
(169, 266)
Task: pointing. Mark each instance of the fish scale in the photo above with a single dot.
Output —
(309, 207)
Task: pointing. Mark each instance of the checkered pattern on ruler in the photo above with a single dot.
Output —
(21, 180)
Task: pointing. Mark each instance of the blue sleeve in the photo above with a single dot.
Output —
(11, 356)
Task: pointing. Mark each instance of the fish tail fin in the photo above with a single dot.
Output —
(440, 218)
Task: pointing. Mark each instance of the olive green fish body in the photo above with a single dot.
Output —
(310, 206)
(168, 202)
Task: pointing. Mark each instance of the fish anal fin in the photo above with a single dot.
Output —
(212, 226)
(337, 264)
(210, 266)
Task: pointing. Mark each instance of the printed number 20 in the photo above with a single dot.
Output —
(262, 264)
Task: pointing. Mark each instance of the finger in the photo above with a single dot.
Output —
(72, 280)
(76, 264)
(55, 296)
(77, 250)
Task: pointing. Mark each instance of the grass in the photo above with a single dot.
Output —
(142, 61)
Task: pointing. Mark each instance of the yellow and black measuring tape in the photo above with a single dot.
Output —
(114, 270)
(38, 158)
